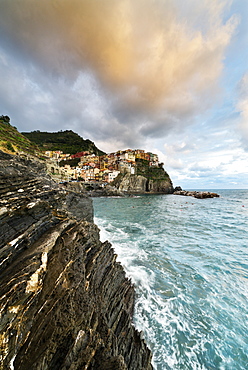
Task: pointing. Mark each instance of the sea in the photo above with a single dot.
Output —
(188, 260)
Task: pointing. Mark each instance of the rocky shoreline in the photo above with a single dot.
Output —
(196, 194)
(65, 301)
(111, 191)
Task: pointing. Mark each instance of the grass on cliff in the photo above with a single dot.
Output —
(11, 141)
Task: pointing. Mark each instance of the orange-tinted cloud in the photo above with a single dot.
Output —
(142, 50)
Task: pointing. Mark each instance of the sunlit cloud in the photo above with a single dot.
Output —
(131, 74)
(157, 68)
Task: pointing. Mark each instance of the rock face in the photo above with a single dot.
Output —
(140, 184)
(65, 302)
(196, 194)
(160, 186)
(133, 183)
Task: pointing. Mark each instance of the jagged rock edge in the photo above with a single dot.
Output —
(65, 301)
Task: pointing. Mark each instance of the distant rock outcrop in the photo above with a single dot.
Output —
(196, 194)
(140, 184)
(65, 301)
(147, 179)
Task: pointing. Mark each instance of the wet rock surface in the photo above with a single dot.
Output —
(106, 191)
(65, 302)
(196, 194)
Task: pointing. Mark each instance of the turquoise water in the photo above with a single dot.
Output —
(188, 259)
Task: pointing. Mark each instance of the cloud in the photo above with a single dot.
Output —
(154, 64)
(185, 146)
(169, 161)
(242, 107)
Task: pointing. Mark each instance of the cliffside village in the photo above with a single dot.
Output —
(93, 168)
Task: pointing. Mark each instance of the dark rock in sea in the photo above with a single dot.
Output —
(177, 188)
(196, 194)
(65, 301)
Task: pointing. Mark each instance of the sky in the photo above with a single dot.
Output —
(166, 76)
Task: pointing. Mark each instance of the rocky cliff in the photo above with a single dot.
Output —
(141, 184)
(147, 179)
(65, 302)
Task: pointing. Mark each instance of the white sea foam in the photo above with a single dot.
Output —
(188, 263)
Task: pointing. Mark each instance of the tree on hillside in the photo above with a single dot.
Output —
(5, 119)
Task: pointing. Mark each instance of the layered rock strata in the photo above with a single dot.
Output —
(65, 302)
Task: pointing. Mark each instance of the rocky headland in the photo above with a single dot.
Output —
(131, 184)
(69, 157)
(147, 180)
(65, 302)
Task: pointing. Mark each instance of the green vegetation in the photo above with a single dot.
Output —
(12, 141)
(36, 142)
(66, 141)
(9, 146)
(143, 169)
(5, 119)
(151, 173)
